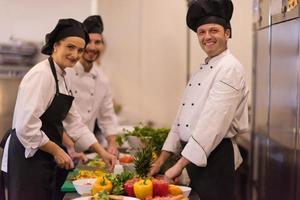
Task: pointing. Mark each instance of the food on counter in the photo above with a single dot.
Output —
(128, 186)
(84, 174)
(143, 188)
(174, 190)
(177, 197)
(160, 187)
(143, 161)
(101, 184)
(103, 195)
(96, 163)
(119, 182)
(126, 158)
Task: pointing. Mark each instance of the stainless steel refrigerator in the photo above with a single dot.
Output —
(275, 155)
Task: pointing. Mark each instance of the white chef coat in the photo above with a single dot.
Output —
(93, 98)
(214, 106)
(35, 94)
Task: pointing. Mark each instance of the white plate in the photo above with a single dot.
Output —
(89, 198)
(185, 190)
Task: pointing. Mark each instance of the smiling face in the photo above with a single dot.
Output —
(94, 48)
(213, 39)
(68, 51)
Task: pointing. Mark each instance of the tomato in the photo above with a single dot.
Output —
(160, 187)
(126, 159)
(128, 186)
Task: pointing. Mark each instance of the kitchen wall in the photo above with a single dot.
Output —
(145, 57)
(31, 19)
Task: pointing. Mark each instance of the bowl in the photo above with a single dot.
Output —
(185, 190)
(84, 186)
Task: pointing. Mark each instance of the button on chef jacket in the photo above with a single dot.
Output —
(214, 106)
(93, 98)
(35, 94)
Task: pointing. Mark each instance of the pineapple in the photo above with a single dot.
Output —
(143, 161)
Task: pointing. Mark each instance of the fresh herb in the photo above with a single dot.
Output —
(118, 181)
(154, 137)
(103, 195)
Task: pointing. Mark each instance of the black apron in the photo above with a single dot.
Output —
(216, 180)
(34, 178)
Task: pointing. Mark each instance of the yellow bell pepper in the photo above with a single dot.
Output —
(174, 190)
(143, 189)
(102, 184)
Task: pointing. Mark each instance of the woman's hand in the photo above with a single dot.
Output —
(63, 160)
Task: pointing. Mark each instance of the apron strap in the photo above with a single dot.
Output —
(50, 59)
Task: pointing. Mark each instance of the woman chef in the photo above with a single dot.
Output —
(43, 110)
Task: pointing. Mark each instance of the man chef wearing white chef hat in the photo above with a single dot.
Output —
(213, 109)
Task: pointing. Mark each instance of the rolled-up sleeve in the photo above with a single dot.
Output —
(217, 115)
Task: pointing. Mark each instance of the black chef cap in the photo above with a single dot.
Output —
(209, 11)
(64, 28)
(94, 24)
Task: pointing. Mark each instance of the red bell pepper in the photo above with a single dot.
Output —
(128, 186)
(160, 187)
